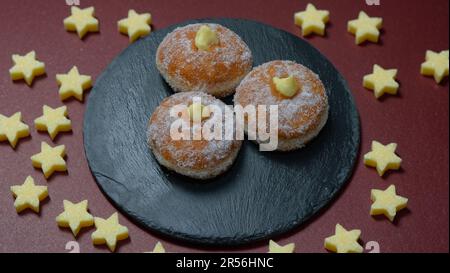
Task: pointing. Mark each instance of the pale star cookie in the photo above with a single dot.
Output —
(75, 216)
(136, 25)
(12, 128)
(26, 67)
(53, 121)
(312, 20)
(82, 21)
(365, 28)
(344, 241)
(28, 195)
(276, 248)
(387, 202)
(109, 231)
(50, 159)
(383, 157)
(73, 84)
(436, 65)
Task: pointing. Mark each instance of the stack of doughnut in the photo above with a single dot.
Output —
(218, 70)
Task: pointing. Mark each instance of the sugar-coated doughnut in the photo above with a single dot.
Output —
(301, 116)
(216, 71)
(200, 159)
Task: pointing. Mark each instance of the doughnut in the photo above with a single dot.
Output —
(199, 159)
(216, 71)
(301, 116)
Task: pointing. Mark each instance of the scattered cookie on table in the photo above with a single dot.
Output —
(381, 81)
(387, 202)
(50, 159)
(26, 67)
(75, 216)
(383, 157)
(82, 21)
(312, 20)
(12, 128)
(365, 28)
(136, 25)
(436, 65)
(53, 121)
(28, 195)
(159, 248)
(276, 248)
(344, 241)
(109, 231)
(73, 84)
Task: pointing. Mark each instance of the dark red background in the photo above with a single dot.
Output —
(417, 119)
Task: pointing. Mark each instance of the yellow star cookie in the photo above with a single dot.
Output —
(109, 231)
(344, 241)
(73, 84)
(53, 121)
(75, 216)
(28, 195)
(365, 28)
(82, 21)
(159, 248)
(387, 202)
(12, 128)
(382, 157)
(50, 159)
(312, 20)
(276, 248)
(436, 65)
(381, 81)
(26, 67)
(136, 25)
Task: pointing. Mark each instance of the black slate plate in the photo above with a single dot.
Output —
(262, 195)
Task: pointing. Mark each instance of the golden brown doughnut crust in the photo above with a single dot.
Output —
(188, 155)
(217, 71)
(299, 115)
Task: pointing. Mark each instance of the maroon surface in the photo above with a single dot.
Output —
(417, 119)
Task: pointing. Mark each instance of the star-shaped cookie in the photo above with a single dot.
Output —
(312, 20)
(436, 65)
(383, 157)
(53, 121)
(159, 248)
(82, 21)
(28, 195)
(276, 248)
(387, 202)
(75, 216)
(50, 159)
(344, 241)
(109, 231)
(365, 28)
(136, 25)
(381, 81)
(26, 67)
(73, 84)
(12, 128)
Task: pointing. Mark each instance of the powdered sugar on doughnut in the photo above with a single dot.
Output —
(192, 154)
(297, 115)
(187, 68)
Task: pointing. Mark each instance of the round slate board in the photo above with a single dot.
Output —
(263, 194)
